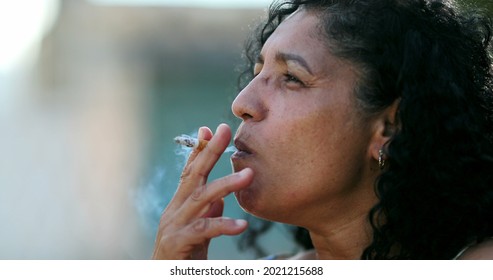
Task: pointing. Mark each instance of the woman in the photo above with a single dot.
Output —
(369, 123)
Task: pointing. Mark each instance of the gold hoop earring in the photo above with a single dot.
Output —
(381, 160)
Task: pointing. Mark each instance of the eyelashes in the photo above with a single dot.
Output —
(288, 78)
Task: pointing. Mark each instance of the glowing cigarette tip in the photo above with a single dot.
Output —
(191, 142)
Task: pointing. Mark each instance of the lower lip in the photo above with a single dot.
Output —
(240, 155)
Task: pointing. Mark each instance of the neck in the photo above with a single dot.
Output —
(345, 241)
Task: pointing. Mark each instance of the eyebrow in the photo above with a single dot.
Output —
(280, 56)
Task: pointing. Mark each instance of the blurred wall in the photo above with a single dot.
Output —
(88, 162)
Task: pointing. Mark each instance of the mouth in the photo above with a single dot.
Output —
(243, 150)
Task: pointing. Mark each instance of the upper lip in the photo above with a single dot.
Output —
(241, 146)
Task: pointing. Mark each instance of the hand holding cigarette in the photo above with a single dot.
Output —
(195, 214)
(198, 144)
(189, 141)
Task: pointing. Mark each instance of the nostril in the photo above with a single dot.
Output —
(246, 116)
(242, 107)
(249, 105)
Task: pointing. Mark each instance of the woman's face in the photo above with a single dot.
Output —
(302, 133)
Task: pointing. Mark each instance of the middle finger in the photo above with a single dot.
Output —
(201, 200)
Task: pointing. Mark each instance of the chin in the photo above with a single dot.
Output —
(254, 199)
(249, 201)
(245, 199)
(254, 207)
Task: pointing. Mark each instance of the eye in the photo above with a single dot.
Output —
(256, 69)
(289, 78)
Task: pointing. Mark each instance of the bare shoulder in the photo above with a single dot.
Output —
(481, 251)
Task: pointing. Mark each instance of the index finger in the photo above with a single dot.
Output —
(205, 161)
(204, 133)
(182, 193)
(200, 163)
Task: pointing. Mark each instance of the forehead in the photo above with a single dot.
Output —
(300, 32)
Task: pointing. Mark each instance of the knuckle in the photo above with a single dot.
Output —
(192, 172)
(201, 225)
(219, 222)
(186, 171)
(166, 240)
(198, 193)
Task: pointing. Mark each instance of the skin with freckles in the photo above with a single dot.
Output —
(312, 151)
(308, 153)
(307, 156)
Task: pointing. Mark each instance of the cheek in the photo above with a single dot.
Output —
(296, 140)
(321, 148)
(303, 161)
(294, 157)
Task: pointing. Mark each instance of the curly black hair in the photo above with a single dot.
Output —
(436, 191)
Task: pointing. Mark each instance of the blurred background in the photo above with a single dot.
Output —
(91, 95)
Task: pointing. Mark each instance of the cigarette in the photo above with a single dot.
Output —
(191, 142)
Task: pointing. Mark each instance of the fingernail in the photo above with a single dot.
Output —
(243, 172)
(241, 223)
(200, 134)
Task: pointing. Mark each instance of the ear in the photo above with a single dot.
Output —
(385, 126)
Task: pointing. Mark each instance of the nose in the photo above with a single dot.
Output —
(248, 105)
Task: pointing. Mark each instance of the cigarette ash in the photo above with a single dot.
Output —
(183, 151)
(186, 141)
